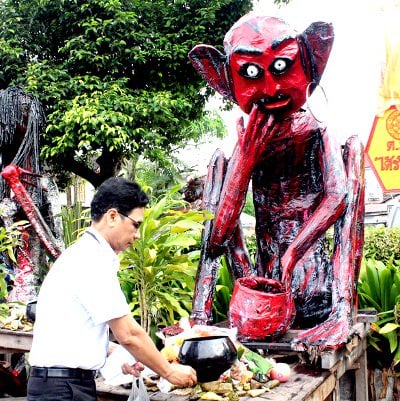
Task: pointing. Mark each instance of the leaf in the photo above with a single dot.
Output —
(371, 302)
(375, 327)
(263, 365)
(161, 266)
(185, 225)
(393, 340)
(389, 327)
(386, 284)
(396, 357)
(173, 301)
(396, 279)
(373, 281)
(394, 293)
(181, 241)
(11, 255)
(374, 343)
(152, 254)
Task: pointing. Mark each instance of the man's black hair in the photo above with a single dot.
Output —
(118, 193)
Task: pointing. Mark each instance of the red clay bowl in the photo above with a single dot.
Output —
(260, 308)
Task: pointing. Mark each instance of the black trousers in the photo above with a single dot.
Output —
(61, 389)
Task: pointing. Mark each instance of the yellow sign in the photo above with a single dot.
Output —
(383, 149)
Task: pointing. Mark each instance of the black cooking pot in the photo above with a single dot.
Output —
(208, 356)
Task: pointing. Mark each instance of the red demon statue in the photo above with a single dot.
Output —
(24, 195)
(302, 181)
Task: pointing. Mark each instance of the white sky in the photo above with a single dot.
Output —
(353, 73)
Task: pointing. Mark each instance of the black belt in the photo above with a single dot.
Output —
(71, 373)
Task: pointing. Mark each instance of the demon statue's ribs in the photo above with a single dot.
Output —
(303, 182)
(22, 193)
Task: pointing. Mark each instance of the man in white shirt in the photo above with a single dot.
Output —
(80, 299)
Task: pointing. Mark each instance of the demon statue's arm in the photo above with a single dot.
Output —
(246, 154)
(12, 174)
(346, 259)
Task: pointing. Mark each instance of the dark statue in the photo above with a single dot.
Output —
(25, 194)
(302, 181)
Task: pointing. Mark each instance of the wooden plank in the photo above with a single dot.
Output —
(366, 315)
(15, 341)
(305, 384)
(350, 352)
(325, 390)
(361, 378)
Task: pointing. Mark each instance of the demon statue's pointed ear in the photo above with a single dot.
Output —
(211, 64)
(316, 44)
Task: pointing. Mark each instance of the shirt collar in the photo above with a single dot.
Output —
(105, 245)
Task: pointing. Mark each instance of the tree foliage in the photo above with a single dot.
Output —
(113, 75)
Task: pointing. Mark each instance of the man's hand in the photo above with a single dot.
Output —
(134, 369)
(181, 375)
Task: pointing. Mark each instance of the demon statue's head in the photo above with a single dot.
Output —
(266, 63)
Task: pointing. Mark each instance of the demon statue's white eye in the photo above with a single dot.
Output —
(251, 70)
(280, 65)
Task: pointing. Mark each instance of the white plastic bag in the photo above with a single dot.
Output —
(112, 371)
(139, 391)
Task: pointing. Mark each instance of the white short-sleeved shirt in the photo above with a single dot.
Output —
(79, 295)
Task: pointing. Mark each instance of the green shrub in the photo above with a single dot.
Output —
(75, 220)
(249, 205)
(158, 271)
(10, 239)
(223, 293)
(379, 288)
(382, 243)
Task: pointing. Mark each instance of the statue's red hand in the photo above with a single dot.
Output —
(253, 138)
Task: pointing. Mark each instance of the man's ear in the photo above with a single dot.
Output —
(112, 215)
(211, 64)
(316, 44)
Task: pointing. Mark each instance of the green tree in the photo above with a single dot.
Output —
(113, 75)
